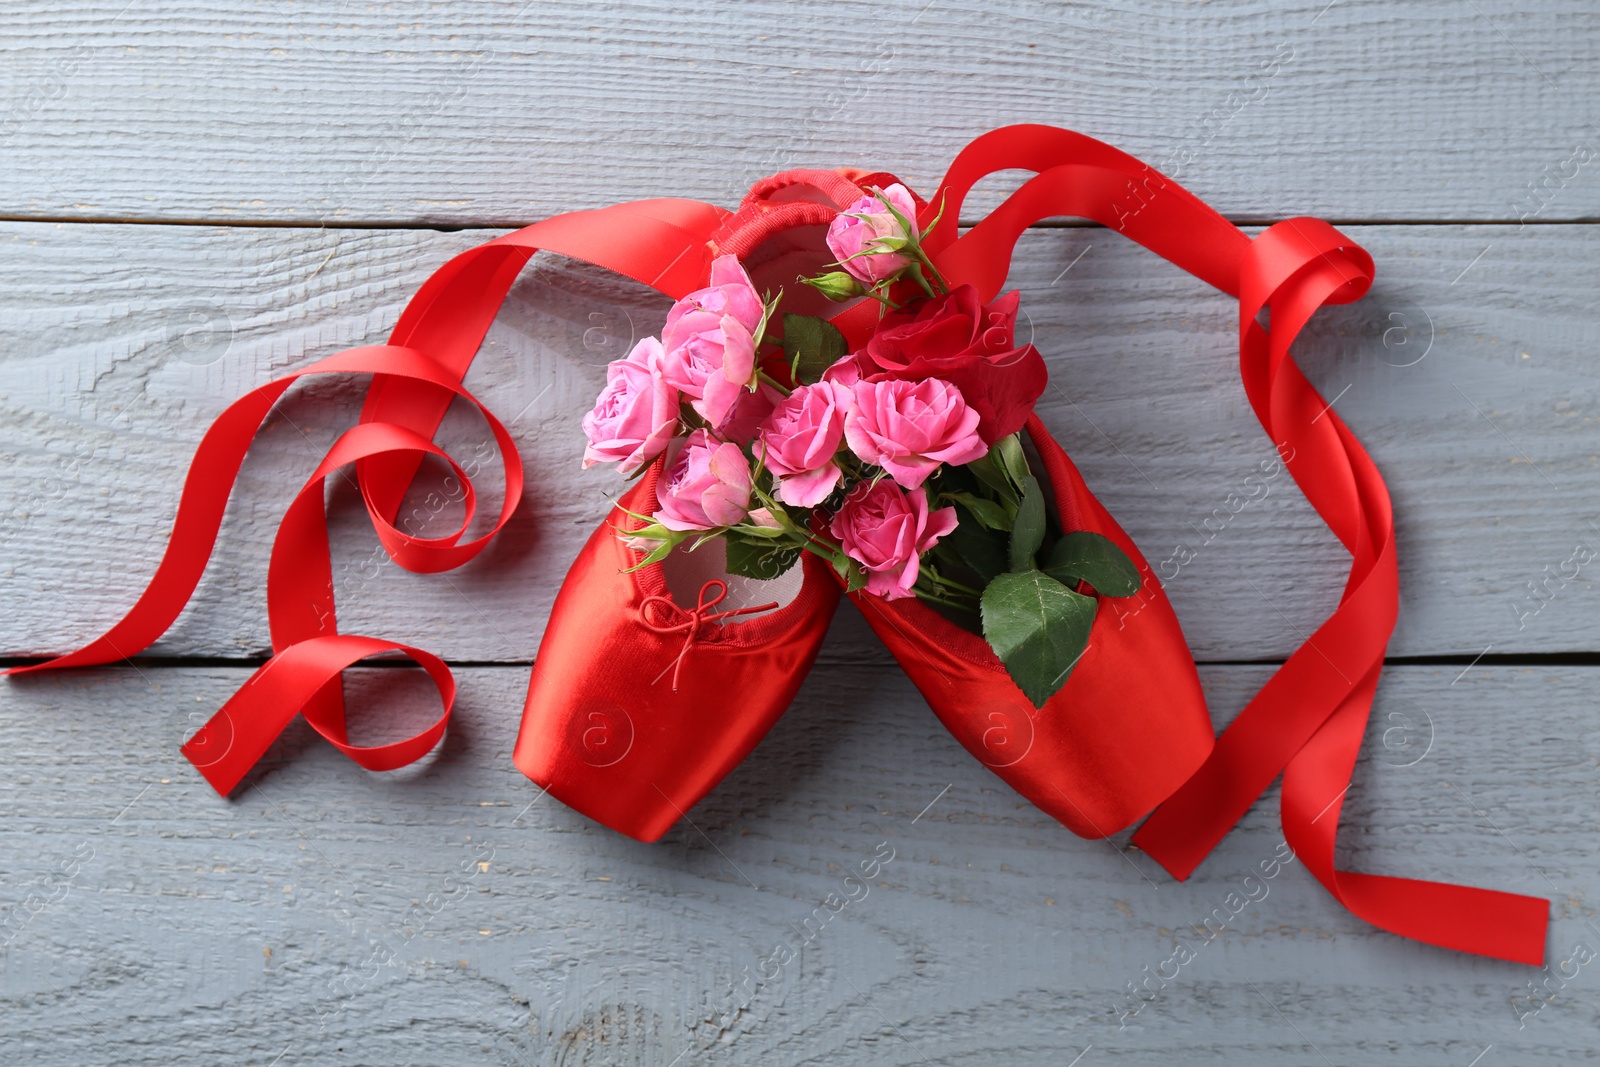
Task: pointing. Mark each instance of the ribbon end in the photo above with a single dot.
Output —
(1179, 865)
(221, 773)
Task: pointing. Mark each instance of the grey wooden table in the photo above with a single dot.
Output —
(197, 197)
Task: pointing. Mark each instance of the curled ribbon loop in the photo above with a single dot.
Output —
(1308, 720)
(691, 621)
(660, 243)
(238, 735)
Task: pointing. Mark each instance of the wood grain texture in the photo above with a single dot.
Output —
(1466, 372)
(325, 915)
(447, 913)
(506, 112)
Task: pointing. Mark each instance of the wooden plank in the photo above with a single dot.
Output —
(1466, 373)
(335, 916)
(447, 913)
(499, 113)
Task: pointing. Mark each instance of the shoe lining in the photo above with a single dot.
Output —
(686, 572)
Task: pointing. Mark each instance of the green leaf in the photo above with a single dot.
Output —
(854, 575)
(812, 345)
(987, 469)
(759, 559)
(855, 580)
(1039, 628)
(799, 518)
(655, 555)
(984, 510)
(768, 306)
(931, 226)
(981, 549)
(1012, 459)
(1094, 559)
(1027, 532)
(958, 479)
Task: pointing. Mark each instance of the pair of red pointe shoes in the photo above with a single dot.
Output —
(651, 684)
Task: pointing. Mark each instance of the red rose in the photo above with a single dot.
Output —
(971, 346)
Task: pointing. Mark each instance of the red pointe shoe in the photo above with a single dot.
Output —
(650, 686)
(1128, 727)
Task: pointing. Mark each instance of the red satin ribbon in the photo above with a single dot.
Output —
(1307, 722)
(661, 243)
(238, 735)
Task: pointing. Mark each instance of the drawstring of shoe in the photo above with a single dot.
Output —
(692, 620)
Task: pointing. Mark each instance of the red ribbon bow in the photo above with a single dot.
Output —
(693, 619)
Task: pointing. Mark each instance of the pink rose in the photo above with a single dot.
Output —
(706, 485)
(730, 293)
(799, 440)
(748, 413)
(765, 517)
(709, 340)
(846, 371)
(910, 428)
(635, 414)
(854, 235)
(886, 531)
(704, 354)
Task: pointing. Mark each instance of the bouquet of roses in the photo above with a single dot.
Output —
(900, 463)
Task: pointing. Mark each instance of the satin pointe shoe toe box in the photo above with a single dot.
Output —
(1126, 730)
(643, 697)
